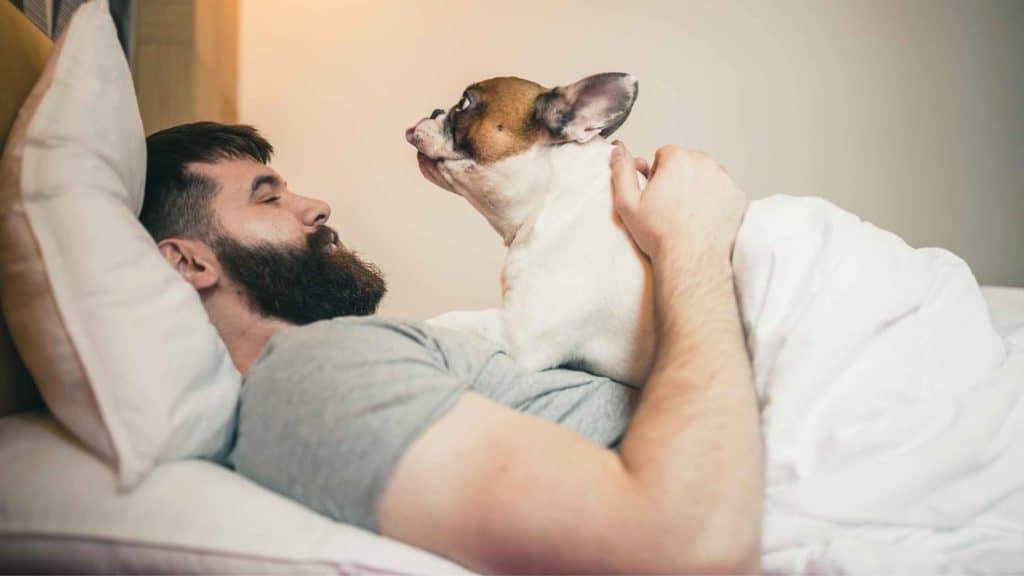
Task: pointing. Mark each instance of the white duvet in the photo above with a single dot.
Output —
(892, 412)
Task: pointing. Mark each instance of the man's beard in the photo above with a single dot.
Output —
(302, 284)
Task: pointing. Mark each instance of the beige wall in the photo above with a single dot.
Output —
(907, 113)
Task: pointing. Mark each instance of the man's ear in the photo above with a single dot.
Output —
(597, 104)
(193, 259)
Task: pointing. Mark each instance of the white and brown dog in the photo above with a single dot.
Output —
(575, 289)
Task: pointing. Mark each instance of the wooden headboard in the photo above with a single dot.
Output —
(23, 53)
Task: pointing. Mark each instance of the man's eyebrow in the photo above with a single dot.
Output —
(270, 179)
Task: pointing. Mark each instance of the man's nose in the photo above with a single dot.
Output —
(315, 212)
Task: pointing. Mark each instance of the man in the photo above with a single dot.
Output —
(438, 439)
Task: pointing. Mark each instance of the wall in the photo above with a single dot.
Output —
(907, 113)
(185, 61)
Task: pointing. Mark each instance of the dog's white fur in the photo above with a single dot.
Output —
(576, 290)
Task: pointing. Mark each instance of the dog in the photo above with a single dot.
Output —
(576, 291)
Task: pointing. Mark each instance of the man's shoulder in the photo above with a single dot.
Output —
(345, 340)
(349, 327)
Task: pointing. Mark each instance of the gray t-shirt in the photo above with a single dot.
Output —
(328, 409)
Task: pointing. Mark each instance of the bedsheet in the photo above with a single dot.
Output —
(891, 407)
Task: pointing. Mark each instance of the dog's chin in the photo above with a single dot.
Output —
(428, 167)
(431, 170)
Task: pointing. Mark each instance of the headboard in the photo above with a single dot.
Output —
(23, 53)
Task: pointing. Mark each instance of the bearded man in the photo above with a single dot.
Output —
(439, 439)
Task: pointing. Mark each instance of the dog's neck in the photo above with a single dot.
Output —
(543, 176)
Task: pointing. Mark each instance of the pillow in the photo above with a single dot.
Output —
(23, 52)
(118, 344)
(223, 524)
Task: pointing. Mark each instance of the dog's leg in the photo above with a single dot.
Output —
(487, 324)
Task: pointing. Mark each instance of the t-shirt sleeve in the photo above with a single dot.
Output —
(328, 410)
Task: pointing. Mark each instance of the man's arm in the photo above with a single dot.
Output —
(698, 408)
(501, 491)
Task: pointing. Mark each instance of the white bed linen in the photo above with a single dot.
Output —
(891, 407)
(61, 511)
(1006, 306)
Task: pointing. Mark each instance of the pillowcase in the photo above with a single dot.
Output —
(118, 344)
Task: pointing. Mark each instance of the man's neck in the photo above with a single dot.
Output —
(245, 333)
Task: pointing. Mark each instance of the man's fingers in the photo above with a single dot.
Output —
(642, 167)
(625, 185)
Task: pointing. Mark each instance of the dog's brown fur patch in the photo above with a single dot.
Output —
(502, 123)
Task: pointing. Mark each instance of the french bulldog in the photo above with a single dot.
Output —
(576, 291)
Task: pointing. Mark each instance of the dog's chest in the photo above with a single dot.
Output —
(580, 276)
(577, 249)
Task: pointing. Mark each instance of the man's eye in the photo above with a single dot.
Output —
(271, 200)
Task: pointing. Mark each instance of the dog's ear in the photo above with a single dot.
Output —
(597, 104)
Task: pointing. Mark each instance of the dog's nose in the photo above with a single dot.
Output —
(409, 132)
(436, 113)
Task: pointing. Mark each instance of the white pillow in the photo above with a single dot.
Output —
(118, 344)
(188, 517)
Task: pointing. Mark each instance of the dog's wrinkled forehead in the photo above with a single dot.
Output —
(496, 119)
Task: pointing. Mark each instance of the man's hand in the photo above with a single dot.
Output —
(690, 205)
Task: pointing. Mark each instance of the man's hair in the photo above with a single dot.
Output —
(177, 200)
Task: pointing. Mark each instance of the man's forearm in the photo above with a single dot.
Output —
(694, 445)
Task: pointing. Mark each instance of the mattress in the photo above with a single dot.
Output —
(61, 512)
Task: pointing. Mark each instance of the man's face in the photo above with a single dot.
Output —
(276, 246)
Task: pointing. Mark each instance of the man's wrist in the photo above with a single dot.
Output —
(692, 268)
(693, 293)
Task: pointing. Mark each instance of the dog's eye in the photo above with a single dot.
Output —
(463, 104)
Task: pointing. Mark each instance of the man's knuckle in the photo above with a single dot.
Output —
(670, 153)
